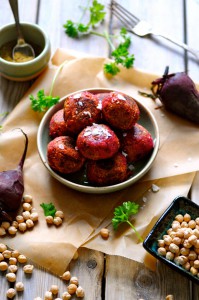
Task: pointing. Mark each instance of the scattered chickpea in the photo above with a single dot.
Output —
(12, 261)
(19, 286)
(74, 280)
(48, 296)
(66, 276)
(27, 206)
(5, 225)
(12, 268)
(28, 269)
(3, 247)
(29, 223)
(57, 221)
(15, 224)
(11, 277)
(27, 198)
(7, 253)
(3, 266)
(59, 214)
(80, 292)
(2, 231)
(12, 230)
(66, 296)
(15, 253)
(22, 227)
(72, 288)
(26, 215)
(19, 219)
(11, 293)
(54, 289)
(104, 232)
(49, 219)
(169, 297)
(34, 216)
(22, 259)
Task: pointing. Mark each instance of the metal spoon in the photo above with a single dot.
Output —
(21, 47)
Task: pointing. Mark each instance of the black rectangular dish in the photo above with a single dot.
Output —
(180, 205)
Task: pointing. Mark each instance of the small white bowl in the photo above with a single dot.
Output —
(35, 36)
(76, 180)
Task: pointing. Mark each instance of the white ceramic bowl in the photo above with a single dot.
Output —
(34, 35)
(76, 180)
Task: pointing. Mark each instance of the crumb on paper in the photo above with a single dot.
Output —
(155, 188)
(176, 165)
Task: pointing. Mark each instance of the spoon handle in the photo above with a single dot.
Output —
(14, 7)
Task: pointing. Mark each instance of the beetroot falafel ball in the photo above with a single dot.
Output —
(63, 156)
(120, 110)
(107, 171)
(97, 142)
(81, 110)
(137, 143)
(57, 126)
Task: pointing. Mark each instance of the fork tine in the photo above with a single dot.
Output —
(127, 18)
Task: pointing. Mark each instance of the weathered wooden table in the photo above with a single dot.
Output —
(107, 277)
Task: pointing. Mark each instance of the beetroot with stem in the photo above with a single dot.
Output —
(178, 94)
(12, 187)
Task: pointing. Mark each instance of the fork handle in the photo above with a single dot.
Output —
(182, 45)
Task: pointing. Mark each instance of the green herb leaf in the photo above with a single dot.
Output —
(123, 213)
(96, 13)
(49, 209)
(111, 68)
(71, 29)
(42, 102)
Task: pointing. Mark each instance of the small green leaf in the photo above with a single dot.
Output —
(111, 68)
(49, 209)
(42, 102)
(123, 212)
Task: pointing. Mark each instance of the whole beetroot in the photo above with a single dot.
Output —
(178, 94)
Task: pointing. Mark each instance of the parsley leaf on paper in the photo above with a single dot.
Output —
(123, 213)
(42, 102)
(49, 209)
(120, 54)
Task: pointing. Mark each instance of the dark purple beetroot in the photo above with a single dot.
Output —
(12, 187)
(178, 94)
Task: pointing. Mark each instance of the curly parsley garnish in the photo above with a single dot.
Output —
(49, 209)
(120, 54)
(123, 213)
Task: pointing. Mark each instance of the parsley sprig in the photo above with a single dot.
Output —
(49, 209)
(123, 213)
(42, 102)
(120, 54)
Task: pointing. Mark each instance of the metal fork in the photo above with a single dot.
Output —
(142, 28)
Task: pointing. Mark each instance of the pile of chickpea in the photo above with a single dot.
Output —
(22, 222)
(181, 243)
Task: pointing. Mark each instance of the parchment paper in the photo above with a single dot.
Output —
(85, 214)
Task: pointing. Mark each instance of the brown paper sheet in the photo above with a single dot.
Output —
(173, 170)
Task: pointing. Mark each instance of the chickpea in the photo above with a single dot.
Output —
(49, 220)
(22, 227)
(26, 215)
(187, 217)
(162, 251)
(3, 266)
(59, 298)
(187, 233)
(15, 253)
(196, 264)
(175, 226)
(174, 248)
(1, 257)
(12, 230)
(66, 296)
(7, 253)
(19, 286)
(27, 206)
(182, 259)
(27, 198)
(48, 296)
(180, 233)
(184, 251)
(104, 232)
(187, 266)
(196, 232)
(11, 293)
(160, 243)
(34, 216)
(3, 247)
(66, 276)
(80, 292)
(74, 280)
(12, 268)
(28, 269)
(72, 288)
(184, 224)
(2, 231)
(12, 261)
(192, 255)
(19, 219)
(192, 224)
(5, 225)
(176, 240)
(57, 221)
(186, 244)
(15, 224)
(194, 271)
(22, 259)
(179, 218)
(54, 289)
(11, 277)
(197, 220)
(29, 223)
(59, 214)
(169, 297)
(192, 239)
